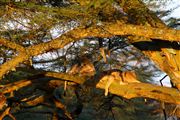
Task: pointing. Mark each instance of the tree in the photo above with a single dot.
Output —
(94, 48)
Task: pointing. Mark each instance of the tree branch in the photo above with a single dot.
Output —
(11, 45)
(15, 86)
(79, 33)
(11, 64)
(134, 90)
(145, 31)
(131, 90)
(65, 76)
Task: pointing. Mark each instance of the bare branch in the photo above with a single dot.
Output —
(133, 90)
(15, 86)
(11, 45)
(7, 112)
(68, 77)
(79, 33)
(145, 31)
(63, 107)
(11, 64)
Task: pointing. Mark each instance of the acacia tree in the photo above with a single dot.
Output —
(99, 34)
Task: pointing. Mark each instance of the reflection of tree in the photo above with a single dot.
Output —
(100, 35)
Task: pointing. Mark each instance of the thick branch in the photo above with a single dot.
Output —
(145, 31)
(11, 64)
(169, 63)
(11, 45)
(74, 78)
(107, 30)
(7, 113)
(79, 33)
(15, 86)
(134, 90)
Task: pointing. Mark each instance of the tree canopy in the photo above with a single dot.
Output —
(62, 56)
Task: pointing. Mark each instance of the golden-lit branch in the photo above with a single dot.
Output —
(15, 86)
(167, 59)
(37, 100)
(131, 90)
(79, 33)
(145, 31)
(68, 77)
(63, 107)
(11, 64)
(7, 113)
(134, 90)
(11, 45)
(2, 100)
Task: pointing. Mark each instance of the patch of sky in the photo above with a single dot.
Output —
(18, 24)
(60, 29)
